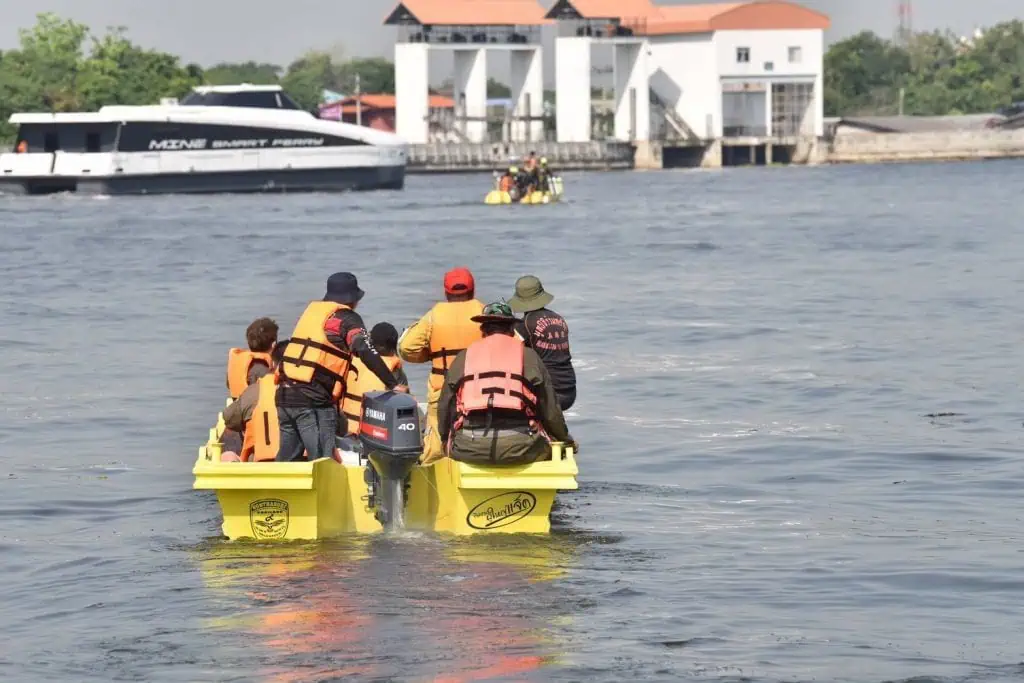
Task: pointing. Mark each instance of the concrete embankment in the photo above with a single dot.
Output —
(860, 147)
(930, 146)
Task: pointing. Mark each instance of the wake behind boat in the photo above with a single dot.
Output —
(240, 138)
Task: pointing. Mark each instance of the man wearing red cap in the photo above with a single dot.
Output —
(437, 338)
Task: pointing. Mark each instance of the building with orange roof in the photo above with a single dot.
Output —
(378, 110)
(474, 31)
(696, 72)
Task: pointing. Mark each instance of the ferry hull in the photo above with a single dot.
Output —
(257, 181)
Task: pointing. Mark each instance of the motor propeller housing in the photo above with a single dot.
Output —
(392, 440)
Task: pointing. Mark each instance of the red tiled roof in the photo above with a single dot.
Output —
(650, 19)
(469, 13)
(384, 101)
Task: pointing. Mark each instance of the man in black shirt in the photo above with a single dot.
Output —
(547, 333)
(314, 369)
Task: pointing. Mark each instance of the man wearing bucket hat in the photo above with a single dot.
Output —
(497, 401)
(547, 333)
(314, 370)
(437, 338)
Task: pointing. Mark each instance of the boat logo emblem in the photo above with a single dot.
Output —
(268, 518)
(501, 510)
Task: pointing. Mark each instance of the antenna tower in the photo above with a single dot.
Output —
(905, 18)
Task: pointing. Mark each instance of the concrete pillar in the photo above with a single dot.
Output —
(527, 85)
(470, 85)
(411, 94)
(814, 120)
(712, 155)
(632, 92)
(649, 155)
(572, 85)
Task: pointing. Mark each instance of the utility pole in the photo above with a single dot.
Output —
(359, 103)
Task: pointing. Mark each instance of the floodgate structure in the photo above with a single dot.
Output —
(694, 85)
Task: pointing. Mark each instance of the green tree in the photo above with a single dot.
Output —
(937, 72)
(309, 75)
(862, 75)
(376, 75)
(256, 73)
(50, 71)
(497, 89)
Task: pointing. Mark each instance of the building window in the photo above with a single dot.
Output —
(796, 55)
(743, 55)
(769, 66)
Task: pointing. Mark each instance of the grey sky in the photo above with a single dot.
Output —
(209, 31)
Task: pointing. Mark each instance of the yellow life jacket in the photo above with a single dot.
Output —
(363, 381)
(239, 363)
(451, 331)
(263, 432)
(308, 349)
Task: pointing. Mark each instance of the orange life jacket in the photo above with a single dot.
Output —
(239, 363)
(363, 381)
(506, 183)
(263, 432)
(308, 349)
(451, 331)
(493, 379)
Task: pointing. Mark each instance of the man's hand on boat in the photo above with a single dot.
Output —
(401, 389)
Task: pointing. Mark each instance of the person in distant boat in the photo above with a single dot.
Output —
(498, 404)
(384, 338)
(547, 333)
(544, 175)
(315, 366)
(530, 165)
(508, 180)
(261, 438)
(437, 337)
(245, 366)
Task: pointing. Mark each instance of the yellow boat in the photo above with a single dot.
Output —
(325, 498)
(554, 194)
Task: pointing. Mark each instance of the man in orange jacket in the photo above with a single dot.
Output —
(438, 337)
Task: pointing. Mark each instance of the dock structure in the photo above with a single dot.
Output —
(474, 32)
(441, 157)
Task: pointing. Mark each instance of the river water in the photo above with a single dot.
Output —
(763, 495)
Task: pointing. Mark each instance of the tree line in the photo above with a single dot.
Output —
(928, 74)
(61, 66)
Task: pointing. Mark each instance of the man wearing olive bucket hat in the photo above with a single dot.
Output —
(498, 404)
(547, 333)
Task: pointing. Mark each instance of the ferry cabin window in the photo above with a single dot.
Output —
(257, 99)
(74, 138)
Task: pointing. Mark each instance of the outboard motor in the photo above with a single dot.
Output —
(389, 429)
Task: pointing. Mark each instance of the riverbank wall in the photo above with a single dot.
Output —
(858, 147)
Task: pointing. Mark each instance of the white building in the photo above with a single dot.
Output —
(476, 33)
(702, 72)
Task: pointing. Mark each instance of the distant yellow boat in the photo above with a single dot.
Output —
(324, 498)
(554, 194)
